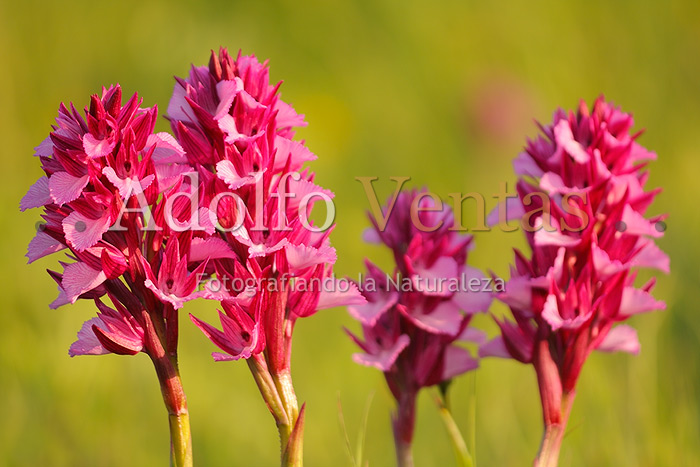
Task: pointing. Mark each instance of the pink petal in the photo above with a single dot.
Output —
(64, 187)
(87, 343)
(176, 301)
(476, 336)
(565, 140)
(621, 338)
(636, 224)
(37, 196)
(178, 107)
(427, 280)
(211, 248)
(525, 165)
(95, 148)
(545, 237)
(79, 278)
(82, 232)
(370, 235)
(130, 186)
(551, 314)
(603, 265)
(41, 245)
(457, 361)
(651, 256)
(61, 300)
(287, 116)
(226, 171)
(301, 256)
(513, 211)
(370, 312)
(494, 348)
(444, 319)
(344, 293)
(227, 90)
(167, 149)
(473, 301)
(385, 359)
(295, 151)
(638, 301)
(45, 148)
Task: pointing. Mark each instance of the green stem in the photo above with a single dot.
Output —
(178, 416)
(464, 459)
(278, 393)
(292, 446)
(173, 396)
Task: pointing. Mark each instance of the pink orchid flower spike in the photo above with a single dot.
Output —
(105, 174)
(416, 318)
(582, 200)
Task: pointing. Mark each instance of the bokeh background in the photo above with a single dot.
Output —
(444, 92)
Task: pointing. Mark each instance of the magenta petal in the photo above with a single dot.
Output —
(636, 301)
(545, 237)
(211, 248)
(370, 235)
(427, 280)
(457, 361)
(303, 257)
(524, 164)
(79, 278)
(565, 140)
(444, 319)
(603, 264)
(45, 148)
(64, 187)
(96, 148)
(473, 335)
(37, 196)
(294, 151)
(178, 107)
(344, 293)
(473, 300)
(227, 172)
(41, 245)
(494, 348)
(227, 90)
(636, 224)
(513, 211)
(167, 149)
(385, 358)
(130, 186)
(621, 338)
(287, 116)
(87, 343)
(82, 232)
(651, 256)
(370, 312)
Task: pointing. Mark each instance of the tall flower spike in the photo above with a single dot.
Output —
(238, 133)
(582, 198)
(415, 318)
(103, 172)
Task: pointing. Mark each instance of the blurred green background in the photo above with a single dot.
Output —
(444, 92)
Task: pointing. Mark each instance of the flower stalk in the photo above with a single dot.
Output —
(166, 367)
(404, 424)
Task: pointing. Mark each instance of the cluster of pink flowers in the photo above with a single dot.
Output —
(568, 298)
(237, 133)
(147, 217)
(411, 334)
(220, 210)
(108, 182)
